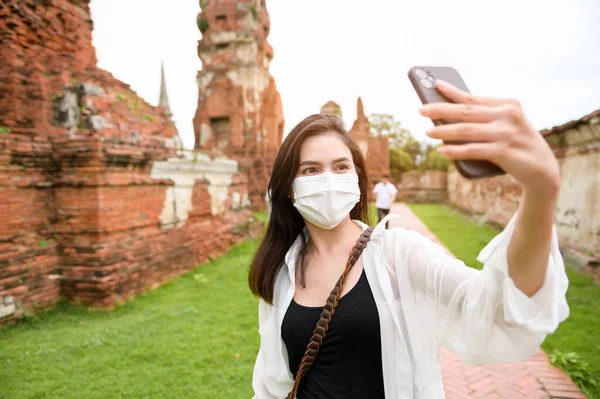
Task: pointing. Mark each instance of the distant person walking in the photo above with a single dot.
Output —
(386, 195)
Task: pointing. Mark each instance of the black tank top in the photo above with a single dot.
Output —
(348, 365)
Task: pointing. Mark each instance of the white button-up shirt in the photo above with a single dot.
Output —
(425, 299)
(385, 192)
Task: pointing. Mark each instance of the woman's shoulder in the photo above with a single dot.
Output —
(395, 234)
(401, 241)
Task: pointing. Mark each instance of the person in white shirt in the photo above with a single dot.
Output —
(405, 297)
(386, 195)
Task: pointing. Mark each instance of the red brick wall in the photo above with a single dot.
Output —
(422, 186)
(496, 199)
(79, 210)
(378, 158)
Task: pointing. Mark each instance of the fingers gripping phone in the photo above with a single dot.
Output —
(423, 80)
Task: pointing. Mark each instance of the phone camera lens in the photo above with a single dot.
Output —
(420, 73)
(427, 83)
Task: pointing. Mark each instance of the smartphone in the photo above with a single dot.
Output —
(423, 80)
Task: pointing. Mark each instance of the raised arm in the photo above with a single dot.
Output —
(505, 311)
(506, 138)
(482, 315)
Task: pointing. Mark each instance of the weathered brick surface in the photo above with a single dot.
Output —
(423, 186)
(495, 199)
(374, 149)
(239, 109)
(79, 211)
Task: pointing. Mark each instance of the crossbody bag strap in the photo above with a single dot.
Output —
(327, 313)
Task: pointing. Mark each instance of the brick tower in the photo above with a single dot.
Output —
(239, 110)
(374, 149)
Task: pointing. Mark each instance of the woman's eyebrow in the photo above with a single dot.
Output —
(309, 163)
(343, 159)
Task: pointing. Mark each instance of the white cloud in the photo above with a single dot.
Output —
(545, 53)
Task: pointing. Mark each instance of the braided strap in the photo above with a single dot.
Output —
(327, 313)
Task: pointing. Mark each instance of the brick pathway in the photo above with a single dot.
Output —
(531, 379)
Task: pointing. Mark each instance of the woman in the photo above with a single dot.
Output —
(404, 297)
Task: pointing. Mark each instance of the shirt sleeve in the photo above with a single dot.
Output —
(258, 382)
(393, 189)
(376, 189)
(481, 315)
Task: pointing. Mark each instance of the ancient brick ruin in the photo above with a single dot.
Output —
(576, 145)
(239, 109)
(374, 149)
(332, 108)
(97, 202)
(423, 186)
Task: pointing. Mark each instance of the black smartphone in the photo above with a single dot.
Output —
(423, 80)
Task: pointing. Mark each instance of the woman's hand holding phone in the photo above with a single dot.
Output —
(496, 130)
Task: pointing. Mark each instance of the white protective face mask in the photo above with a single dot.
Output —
(325, 200)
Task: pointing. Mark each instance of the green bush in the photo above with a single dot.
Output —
(254, 11)
(203, 25)
(434, 161)
(575, 367)
(400, 162)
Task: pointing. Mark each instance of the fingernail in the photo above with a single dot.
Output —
(442, 83)
(429, 131)
(424, 109)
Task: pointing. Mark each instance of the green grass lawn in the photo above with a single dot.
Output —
(580, 333)
(195, 337)
(372, 216)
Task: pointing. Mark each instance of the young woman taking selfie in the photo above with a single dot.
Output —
(350, 312)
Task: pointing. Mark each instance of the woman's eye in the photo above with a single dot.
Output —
(309, 170)
(343, 167)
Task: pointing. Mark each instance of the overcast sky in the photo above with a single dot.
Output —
(545, 53)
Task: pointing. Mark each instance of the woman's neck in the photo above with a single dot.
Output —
(341, 238)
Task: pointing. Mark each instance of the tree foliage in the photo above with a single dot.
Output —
(406, 152)
(400, 162)
(386, 125)
(433, 160)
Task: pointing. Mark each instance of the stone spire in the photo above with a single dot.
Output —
(360, 128)
(332, 108)
(374, 149)
(164, 99)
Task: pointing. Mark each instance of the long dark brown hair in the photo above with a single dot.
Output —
(285, 222)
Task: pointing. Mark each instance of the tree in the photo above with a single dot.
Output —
(386, 125)
(413, 148)
(404, 149)
(400, 162)
(433, 160)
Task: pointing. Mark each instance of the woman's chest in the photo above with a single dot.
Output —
(314, 284)
(353, 337)
(355, 320)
